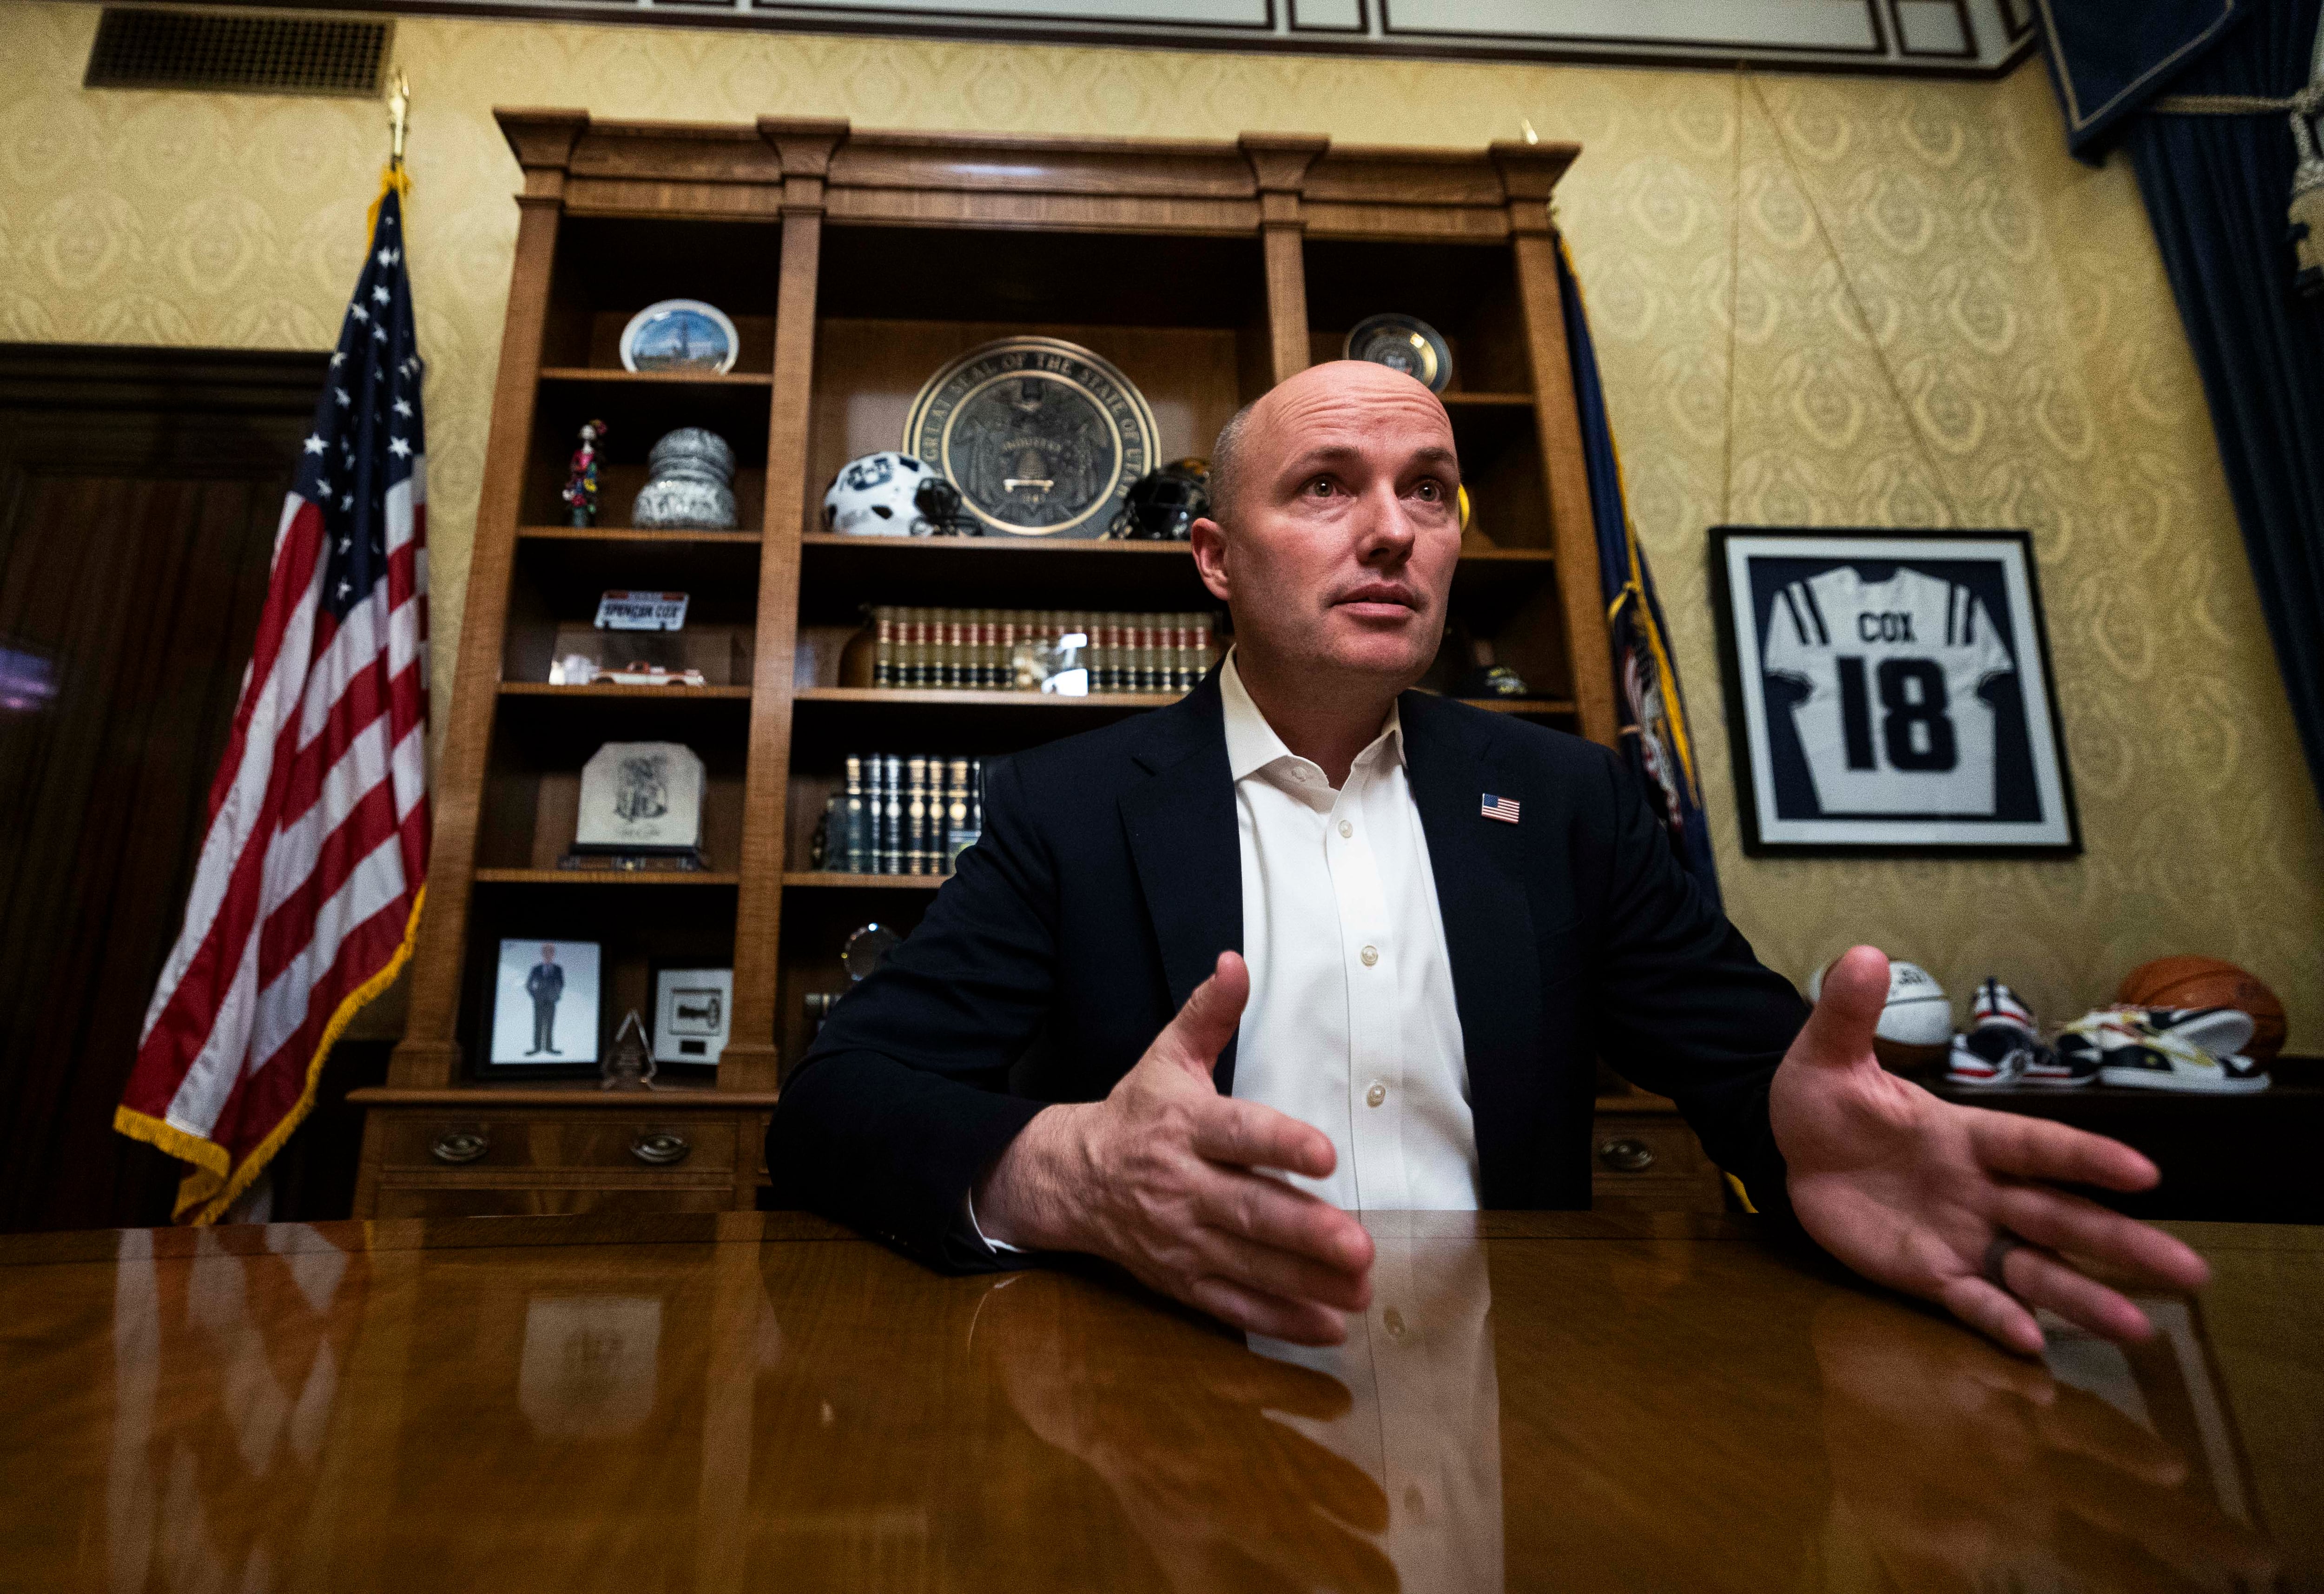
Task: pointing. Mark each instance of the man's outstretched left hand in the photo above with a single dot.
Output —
(1911, 1190)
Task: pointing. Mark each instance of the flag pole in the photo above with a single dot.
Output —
(399, 122)
(399, 116)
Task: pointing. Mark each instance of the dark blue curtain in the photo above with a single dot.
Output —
(2216, 188)
(2108, 58)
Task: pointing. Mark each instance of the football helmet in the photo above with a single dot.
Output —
(880, 495)
(1163, 505)
(945, 510)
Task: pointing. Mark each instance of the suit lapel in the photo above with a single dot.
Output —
(1478, 865)
(1184, 837)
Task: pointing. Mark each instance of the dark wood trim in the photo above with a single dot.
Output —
(166, 411)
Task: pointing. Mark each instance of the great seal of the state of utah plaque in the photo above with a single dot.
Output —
(1042, 437)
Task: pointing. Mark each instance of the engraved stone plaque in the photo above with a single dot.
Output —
(641, 797)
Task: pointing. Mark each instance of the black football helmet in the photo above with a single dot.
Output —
(1163, 505)
(939, 504)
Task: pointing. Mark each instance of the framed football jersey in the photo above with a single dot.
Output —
(1890, 692)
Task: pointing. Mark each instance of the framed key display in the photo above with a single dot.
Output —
(1890, 693)
(693, 1010)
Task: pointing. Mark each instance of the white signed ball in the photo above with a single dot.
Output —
(1916, 1027)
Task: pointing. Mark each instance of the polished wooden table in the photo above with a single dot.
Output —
(758, 1401)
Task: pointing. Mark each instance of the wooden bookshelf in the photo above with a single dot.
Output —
(853, 263)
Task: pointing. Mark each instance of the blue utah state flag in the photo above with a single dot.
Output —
(1648, 707)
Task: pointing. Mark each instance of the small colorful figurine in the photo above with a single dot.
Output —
(581, 486)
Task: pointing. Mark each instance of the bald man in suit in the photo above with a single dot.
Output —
(1309, 942)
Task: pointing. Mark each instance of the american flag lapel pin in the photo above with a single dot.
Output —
(1504, 809)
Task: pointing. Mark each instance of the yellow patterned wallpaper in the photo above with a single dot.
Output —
(2035, 375)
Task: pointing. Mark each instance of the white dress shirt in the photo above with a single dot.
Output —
(1352, 1025)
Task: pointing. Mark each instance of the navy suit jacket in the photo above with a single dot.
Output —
(1107, 881)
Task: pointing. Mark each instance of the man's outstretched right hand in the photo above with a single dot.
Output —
(1161, 1177)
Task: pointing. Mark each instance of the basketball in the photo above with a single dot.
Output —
(1916, 1027)
(2196, 981)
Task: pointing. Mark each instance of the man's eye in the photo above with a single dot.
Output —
(1321, 486)
(1430, 492)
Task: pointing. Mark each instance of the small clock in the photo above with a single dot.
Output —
(1405, 344)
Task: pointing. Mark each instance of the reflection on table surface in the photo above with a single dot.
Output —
(749, 1401)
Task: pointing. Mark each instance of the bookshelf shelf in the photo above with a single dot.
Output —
(816, 879)
(956, 697)
(671, 694)
(606, 535)
(929, 546)
(1206, 272)
(937, 547)
(616, 376)
(606, 877)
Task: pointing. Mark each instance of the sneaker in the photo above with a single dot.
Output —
(1996, 1003)
(2164, 1049)
(1990, 1055)
(2051, 1066)
(2221, 1031)
(2002, 1047)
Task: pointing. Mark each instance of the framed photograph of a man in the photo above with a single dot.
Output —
(1890, 693)
(546, 1008)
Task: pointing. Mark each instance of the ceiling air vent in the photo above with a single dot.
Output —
(237, 54)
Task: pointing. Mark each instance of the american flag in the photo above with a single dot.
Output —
(1504, 809)
(311, 872)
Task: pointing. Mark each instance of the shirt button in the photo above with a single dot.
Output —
(1371, 954)
(1346, 828)
(1376, 1095)
(1393, 1321)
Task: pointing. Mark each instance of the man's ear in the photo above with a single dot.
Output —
(1210, 541)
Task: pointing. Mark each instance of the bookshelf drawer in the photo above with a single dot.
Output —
(1650, 1162)
(1626, 1148)
(597, 1140)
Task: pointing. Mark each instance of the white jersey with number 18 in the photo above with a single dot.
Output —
(1891, 723)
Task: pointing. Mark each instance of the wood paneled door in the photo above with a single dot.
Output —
(140, 490)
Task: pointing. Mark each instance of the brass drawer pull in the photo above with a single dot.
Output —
(661, 1147)
(1627, 1156)
(459, 1146)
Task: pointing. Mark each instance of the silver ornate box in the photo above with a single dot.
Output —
(688, 488)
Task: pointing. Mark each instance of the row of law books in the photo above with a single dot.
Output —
(901, 814)
(1018, 649)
